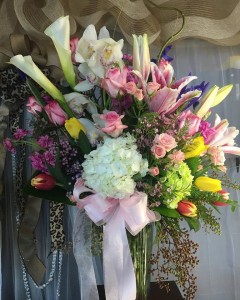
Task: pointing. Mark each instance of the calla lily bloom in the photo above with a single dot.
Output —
(26, 64)
(59, 32)
(208, 184)
(141, 55)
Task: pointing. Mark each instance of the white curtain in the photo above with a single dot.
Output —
(219, 269)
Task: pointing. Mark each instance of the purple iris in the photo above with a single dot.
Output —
(164, 55)
(194, 101)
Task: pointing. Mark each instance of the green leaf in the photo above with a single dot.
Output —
(83, 143)
(168, 212)
(201, 172)
(56, 194)
(56, 172)
(193, 164)
(35, 91)
(137, 177)
(193, 223)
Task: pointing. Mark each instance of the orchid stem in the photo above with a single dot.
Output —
(175, 34)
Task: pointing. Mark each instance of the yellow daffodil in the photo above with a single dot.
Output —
(73, 127)
(195, 148)
(208, 184)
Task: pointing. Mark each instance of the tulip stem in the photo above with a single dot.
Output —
(175, 34)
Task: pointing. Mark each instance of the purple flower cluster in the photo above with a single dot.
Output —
(9, 145)
(20, 134)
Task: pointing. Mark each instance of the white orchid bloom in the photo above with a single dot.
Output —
(59, 32)
(141, 55)
(98, 52)
(78, 102)
(26, 65)
(90, 79)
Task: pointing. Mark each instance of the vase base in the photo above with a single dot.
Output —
(155, 292)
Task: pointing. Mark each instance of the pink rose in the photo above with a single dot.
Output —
(154, 171)
(130, 87)
(114, 81)
(177, 156)
(152, 87)
(158, 151)
(165, 140)
(113, 123)
(55, 113)
(216, 155)
(33, 107)
(73, 47)
(138, 94)
(191, 121)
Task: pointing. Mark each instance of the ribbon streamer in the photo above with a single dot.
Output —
(117, 214)
(82, 230)
(33, 265)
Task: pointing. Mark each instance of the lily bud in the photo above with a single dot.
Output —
(208, 184)
(207, 102)
(141, 55)
(43, 182)
(187, 209)
(73, 127)
(222, 94)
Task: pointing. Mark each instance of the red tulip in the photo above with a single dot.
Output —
(43, 182)
(225, 196)
(187, 209)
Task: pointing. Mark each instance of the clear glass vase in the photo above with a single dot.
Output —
(141, 250)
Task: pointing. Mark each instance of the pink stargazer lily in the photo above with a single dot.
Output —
(223, 137)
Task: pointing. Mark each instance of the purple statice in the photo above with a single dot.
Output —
(45, 141)
(9, 145)
(20, 134)
(38, 162)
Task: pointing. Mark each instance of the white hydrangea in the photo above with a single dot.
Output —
(109, 169)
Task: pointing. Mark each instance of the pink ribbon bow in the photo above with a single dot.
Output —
(116, 215)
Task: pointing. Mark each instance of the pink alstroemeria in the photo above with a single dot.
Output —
(73, 47)
(55, 113)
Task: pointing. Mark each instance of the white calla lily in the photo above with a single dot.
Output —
(59, 32)
(26, 65)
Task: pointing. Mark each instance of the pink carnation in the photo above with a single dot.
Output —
(216, 155)
(177, 156)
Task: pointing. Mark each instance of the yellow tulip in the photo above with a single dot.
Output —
(195, 148)
(73, 127)
(208, 184)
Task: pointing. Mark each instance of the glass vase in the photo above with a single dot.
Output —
(141, 250)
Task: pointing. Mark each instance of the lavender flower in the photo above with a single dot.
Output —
(38, 162)
(45, 141)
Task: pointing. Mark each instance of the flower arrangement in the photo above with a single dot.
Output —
(129, 145)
